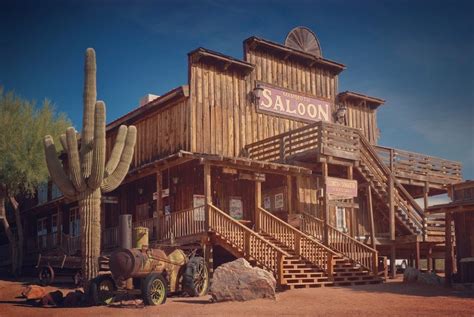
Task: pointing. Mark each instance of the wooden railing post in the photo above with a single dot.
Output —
(258, 204)
(330, 263)
(247, 243)
(282, 149)
(375, 260)
(297, 243)
(207, 195)
(279, 268)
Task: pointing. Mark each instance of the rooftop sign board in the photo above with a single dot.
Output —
(282, 102)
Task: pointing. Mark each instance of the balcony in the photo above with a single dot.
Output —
(319, 139)
(412, 168)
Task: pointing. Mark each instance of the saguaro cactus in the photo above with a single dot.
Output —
(87, 176)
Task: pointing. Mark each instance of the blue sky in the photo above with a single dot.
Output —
(418, 55)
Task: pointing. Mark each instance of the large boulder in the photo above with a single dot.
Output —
(410, 275)
(239, 281)
(32, 292)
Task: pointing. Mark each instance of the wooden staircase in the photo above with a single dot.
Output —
(300, 273)
(322, 266)
(383, 182)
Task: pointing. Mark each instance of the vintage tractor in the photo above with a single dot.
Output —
(151, 274)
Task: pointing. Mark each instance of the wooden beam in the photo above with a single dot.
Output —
(417, 255)
(392, 208)
(207, 193)
(289, 183)
(324, 167)
(258, 203)
(393, 268)
(371, 216)
(429, 258)
(448, 265)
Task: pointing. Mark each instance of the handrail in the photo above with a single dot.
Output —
(252, 245)
(343, 243)
(326, 138)
(181, 223)
(304, 245)
(400, 190)
(412, 162)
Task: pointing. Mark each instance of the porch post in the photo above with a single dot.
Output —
(350, 175)
(417, 255)
(289, 184)
(258, 203)
(448, 265)
(426, 192)
(324, 167)
(159, 204)
(429, 258)
(371, 216)
(393, 268)
(207, 193)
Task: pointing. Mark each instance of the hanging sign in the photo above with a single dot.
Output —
(341, 188)
(282, 102)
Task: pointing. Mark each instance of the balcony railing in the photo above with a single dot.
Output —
(411, 165)
(319, 138)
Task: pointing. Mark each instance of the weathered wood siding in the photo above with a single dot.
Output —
(159, 134)
(223, 117)
(361, 116)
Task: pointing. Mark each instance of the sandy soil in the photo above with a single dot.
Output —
(391, 299)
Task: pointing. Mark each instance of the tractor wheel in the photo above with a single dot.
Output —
(46, 275)
(154, 289)
(196, 277)
(102, 290)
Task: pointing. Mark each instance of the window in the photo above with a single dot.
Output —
(341, 219)
(54, 228)
(55, 192)
(42, 231)
(74, 222)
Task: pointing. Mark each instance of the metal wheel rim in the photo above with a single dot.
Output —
(157, 291)
(105, 290)
(200, 278)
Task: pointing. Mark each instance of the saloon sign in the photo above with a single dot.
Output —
(285, 103)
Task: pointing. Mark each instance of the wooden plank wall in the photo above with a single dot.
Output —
(224, 119)
(306, 195)
(361, 116)
(159, 134)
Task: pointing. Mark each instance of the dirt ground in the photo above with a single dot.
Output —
(391, 299)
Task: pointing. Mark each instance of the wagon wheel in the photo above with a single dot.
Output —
(196, 277)
(154, 289)
(46, 275)
(102, 290)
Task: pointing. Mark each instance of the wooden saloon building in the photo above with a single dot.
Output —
(264, 158)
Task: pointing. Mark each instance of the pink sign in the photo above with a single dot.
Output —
(282, 102)
(341, 188)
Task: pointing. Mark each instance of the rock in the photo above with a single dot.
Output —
(239, 281)
(53, 299)
(74, 299)
(410, 275)
(34, 292)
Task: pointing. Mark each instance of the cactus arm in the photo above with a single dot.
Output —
(98, 158)
(56, 170)
(74, 163)
(113, 181)
(89, 95)
(116, 151)
(63, 140)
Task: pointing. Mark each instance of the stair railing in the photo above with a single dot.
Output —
(303, 245)
(182, 223)
(383, 174)
(343, 243)
(252, 245)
